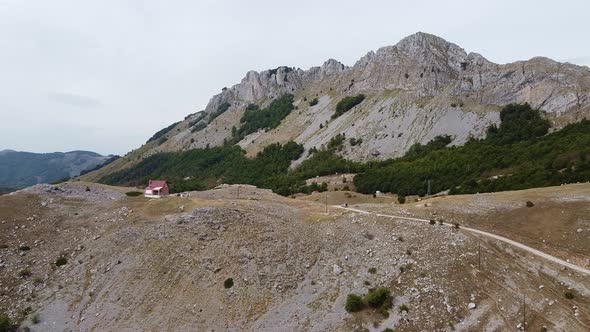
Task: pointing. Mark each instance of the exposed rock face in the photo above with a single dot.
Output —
(419, 88)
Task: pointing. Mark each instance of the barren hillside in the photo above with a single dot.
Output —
(165, 264)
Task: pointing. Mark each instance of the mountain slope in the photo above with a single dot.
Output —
(23, 169)
(418, 89)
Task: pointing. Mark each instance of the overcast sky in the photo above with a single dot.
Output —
(105, 75)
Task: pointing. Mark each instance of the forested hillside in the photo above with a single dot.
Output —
(518, 154)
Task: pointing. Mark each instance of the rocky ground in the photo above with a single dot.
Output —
(163, 265)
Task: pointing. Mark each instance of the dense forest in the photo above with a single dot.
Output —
(517, 154)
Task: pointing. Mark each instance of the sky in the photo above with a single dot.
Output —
(105, 75)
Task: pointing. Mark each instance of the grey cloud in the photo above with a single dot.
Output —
(75, 99)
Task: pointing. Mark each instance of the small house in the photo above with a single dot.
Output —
(157, 189)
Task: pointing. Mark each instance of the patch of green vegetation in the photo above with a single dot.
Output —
(267, 118)
(372, 270)
(354, 303)
(380, 298)
(6, 324)
(313, 102)
(25, 273)
(404, 307)
(401, 199)
(162, 132)
(347, 103)
(336, 143)
(35, 318)
(61, 261)
(133, 193)
(569, 295)
(220, 110)
(228, 283)
(198, 126)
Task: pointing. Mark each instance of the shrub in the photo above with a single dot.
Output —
(61, 261)
(228, 283)
(569, 295)
(377, 297)
(529, 204)
(24, 248)
(432, 222)
(388, 330)
(404, 307)
(37, 280)
(401, 199)
(456, 225)
(6, 325)
(408, 251)
(313, 102)
(372, 270)
(347, 103)
(440, 221)
(25, 273)
(354, 303)
(133, 193)
(346, 188)
(35, 319)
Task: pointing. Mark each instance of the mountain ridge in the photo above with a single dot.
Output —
(419, 88)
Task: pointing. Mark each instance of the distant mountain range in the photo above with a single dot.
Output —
(23, 169)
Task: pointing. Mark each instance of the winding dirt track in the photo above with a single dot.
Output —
(491, 235)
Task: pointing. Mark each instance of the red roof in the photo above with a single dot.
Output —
(156, 183)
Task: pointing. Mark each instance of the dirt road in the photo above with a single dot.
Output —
(491, 235)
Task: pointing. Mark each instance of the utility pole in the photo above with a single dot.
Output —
(479, 254)
(524, 313)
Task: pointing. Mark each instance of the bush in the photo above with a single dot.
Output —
(313, 102)
(569, 295)
(61, 261)
(133, 193)
(24, 248)
(529, 204)
(6, 325)
(401, 199)
(25, 273)
(346, 188)
(372, 270)
(347, 103)
(432, 222)
(377, 297)
(35, 319)
(404, 307)
(354, 303)
(456, 225)
(228, 283)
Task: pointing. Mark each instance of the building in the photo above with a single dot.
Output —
(157, 189)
